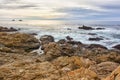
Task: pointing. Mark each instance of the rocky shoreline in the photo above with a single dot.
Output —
(65, 59)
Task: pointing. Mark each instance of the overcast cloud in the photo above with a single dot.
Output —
(60, 9)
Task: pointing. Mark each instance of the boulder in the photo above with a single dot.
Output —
(96, 46)
(19, 41)
(45, 39)
(80, 74)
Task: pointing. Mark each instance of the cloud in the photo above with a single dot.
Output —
(61, 9)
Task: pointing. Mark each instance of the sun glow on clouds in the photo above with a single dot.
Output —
(59, 9)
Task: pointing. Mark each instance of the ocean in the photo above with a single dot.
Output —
(60, 29)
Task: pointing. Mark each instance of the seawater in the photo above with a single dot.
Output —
(59, 30)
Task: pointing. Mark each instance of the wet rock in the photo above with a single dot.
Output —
(33, 33)
(96, 46)
(95, 39)
(92, 34)
(5, 29)
(100, 28)
(86, 28)
(69, 29)
(69, 38)
(74, 42)
(62, 41)
(46, 39)
(117, 47)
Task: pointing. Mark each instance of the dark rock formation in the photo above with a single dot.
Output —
(117, 47)
(5, 29)
(100, 28)
(86, 28)
(45, 39)
(95, 39)
(91, 46)
(92, 34)
(69, 38)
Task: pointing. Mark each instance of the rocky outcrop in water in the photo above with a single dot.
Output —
(89, 28)
(86, 28)
(95, 39)
(5, 29)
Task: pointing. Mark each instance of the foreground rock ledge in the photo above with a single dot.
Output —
(18, 41)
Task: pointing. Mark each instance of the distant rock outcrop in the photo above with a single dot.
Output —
(5, 29)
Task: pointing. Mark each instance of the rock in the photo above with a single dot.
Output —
(13, 20)
(104, 69)
(20, 20)
(117, 47)
(19, 41)
(100, 28)
(96, 46)
(33, 33)
(80, 74)
(95, 39)
(52, 50)
(62, 41)
(46, 39)
(73, 62)
(5, 29)
(115, 75)
(86, 28)
(92, 34)
(69, 38)
(69, 29)
(74, 42)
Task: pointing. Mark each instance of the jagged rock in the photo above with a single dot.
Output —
(104, 69)
(53, 50)
(72, 63)
(80, 74)
(95, 39)
(117, 47)
(46, 39)
(115, 75)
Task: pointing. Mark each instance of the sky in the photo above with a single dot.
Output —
(60, 9)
